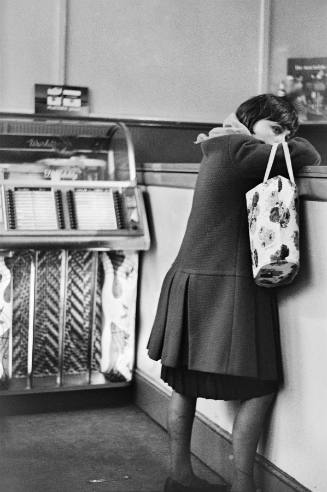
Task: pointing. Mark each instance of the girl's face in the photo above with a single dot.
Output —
(269, 131)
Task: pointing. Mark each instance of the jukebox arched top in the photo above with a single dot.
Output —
(69, 183)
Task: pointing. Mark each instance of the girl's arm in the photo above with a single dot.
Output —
(250, 156)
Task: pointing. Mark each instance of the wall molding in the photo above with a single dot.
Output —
(172, 142)
(93, 117)
(210, 443)
(137, 120)
(312, 183)
(264, 46)
(60, 62)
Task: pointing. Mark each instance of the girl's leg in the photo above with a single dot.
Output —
(247, 428)
(180, 421)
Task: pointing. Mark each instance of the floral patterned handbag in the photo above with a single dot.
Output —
(274, 226)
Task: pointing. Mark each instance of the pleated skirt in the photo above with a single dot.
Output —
(217, 336)
(215, 386)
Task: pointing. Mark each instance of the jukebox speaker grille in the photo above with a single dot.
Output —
(21, 290)
(78, 309)
(46, 324)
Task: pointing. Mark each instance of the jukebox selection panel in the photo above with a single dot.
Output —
(70, 208)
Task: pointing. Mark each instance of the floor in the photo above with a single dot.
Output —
(116, 449)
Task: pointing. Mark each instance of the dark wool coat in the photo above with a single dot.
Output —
(209, 292)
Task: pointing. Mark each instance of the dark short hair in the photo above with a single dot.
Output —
(269, 107)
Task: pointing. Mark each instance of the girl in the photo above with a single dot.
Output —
(215, 331)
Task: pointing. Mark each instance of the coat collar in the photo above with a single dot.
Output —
(231, 126)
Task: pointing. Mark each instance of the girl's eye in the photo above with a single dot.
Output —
(277, 130)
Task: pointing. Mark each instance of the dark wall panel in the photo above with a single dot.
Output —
(167, 143)
(317, 135)
(175, 142)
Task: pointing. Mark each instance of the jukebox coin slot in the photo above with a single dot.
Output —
(131, 207)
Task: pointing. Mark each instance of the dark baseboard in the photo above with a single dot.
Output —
(209, 441)
(63, 401)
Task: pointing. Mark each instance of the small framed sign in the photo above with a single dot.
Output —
(64, 100)
(308, 77)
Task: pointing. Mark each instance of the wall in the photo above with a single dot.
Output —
(175, 60)
(297, 31)
(179, 60)
(301, 405)
(30, 38)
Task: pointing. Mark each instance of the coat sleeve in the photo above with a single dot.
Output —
(249, 156)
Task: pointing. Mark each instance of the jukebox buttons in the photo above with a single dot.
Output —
(71, 209)
(11, 209)
(60, 209)
(118, 210)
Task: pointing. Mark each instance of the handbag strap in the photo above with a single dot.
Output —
(287, 159)
(270, 161)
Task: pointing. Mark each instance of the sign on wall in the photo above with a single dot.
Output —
(63, 100)
(309, 77)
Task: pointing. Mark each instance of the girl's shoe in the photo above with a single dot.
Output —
(202, 486)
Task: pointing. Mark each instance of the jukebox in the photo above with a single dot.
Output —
(72, 222)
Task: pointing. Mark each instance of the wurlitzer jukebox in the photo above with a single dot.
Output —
(72, 221)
